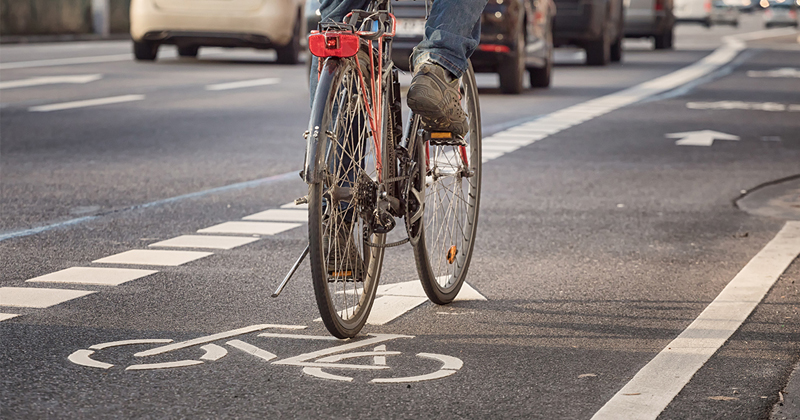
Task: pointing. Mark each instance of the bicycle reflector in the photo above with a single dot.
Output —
(333, 44)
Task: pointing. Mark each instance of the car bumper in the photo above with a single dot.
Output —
(264, 27)
(577, 21)
(646, 24)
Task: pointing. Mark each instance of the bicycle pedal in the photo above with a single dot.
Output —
(444, 138)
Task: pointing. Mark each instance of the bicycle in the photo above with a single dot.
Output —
(364, 169)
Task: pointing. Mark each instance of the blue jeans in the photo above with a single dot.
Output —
(451, 35)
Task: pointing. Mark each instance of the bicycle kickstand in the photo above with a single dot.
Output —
(291, 273)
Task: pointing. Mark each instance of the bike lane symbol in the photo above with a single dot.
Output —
(312, 363)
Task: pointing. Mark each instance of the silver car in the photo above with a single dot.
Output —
(724, 12)
(781, 13)
(650, 19)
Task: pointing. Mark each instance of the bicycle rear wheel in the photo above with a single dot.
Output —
(452, 185)
(345, 269)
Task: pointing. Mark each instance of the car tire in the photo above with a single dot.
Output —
(664, 41)
(512, 68)
(542, 77)
(598, 52)
(616, 51)
(290, 53)
(145, 50)
(188, 51)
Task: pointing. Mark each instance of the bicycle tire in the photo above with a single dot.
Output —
(344, 300)
(449, 221)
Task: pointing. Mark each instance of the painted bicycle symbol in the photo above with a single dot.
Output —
(317, 363)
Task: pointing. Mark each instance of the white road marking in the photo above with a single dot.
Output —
(756, 106)
(213, 352)
(292, 205)
(29, 297)
(300, 337)
(280, 215)
(93, 275)
(700, 138)
(319, 373)
(786, 72)
(130, 342)
(244, 84)
(86, 103)
(65, 61)
(153, 257)
(165, 365)
(658, 382)
(4, 317)
(379, 360)
(83, 357)
(251, 349)
(250, 228)
(450, 366)
(51, 80)
(396, 299)
(303, 359)
(215, 337)
(204, 241)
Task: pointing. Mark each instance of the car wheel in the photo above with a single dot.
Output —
(541, 77)
(616, 51)
(188, 51)
(290, 53)
(512, 68)
(145, 50)
(598, 52)
(664, 41)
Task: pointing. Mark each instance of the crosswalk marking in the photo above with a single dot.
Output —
(250, 228)
(280, 215)
(204, 241)
(94, 275)
(153, 257)
(30, 297)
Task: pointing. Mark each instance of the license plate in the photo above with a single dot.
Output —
(410, 27)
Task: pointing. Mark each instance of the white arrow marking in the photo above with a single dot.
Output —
(700, 138)
(52, 80)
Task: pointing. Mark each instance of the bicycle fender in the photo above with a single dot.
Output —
(316, 140)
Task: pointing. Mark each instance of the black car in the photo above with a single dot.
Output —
(516, 35)
(594, 25)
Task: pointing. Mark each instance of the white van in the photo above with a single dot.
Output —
(697, 11)
(191, 24)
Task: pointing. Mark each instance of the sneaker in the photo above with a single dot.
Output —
(434, 95)
(343, 259)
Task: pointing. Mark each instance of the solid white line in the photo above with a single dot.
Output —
(244, 84)
(64, 61)
(658, 382)
(86, 103)
(251, 349)
(51, 80)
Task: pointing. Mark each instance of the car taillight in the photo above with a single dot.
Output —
(708, 6)
(494, 48)
(333, 44)
(792, 14)
(659, 5)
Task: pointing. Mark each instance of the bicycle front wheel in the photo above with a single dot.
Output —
(345, 263)
(452, 186)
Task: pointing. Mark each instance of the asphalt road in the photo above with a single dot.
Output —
(598, 244)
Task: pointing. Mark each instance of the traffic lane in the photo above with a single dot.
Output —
(169, 144)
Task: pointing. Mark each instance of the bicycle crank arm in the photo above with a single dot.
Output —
(291, 272)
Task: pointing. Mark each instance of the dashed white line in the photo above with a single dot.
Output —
(280, 215)
(658, 382)
(29, 297)
(204, 241)
(4, 317)
(153, 257)
(51, 80)
(250, 228)
(244, 84)
(86, 103)
(93, 275)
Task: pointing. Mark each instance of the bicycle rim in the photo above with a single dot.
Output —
(452, 197)
(345, 270)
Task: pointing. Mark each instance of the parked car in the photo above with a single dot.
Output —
(781, 13)
(650, 19)
(724, 12)
(594, 25)
(516, 35)
(693, 11)
(191, 24)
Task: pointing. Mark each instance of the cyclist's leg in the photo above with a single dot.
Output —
(451, 35)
